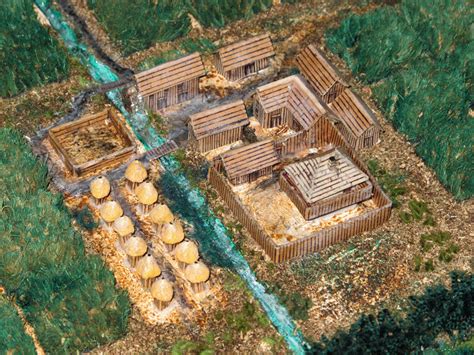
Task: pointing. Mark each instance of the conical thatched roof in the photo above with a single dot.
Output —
(146, 193)
(161, 214)
(123, 226)
(110, 211)
(187, 252)
(136, 172)
(147, 267)
(162, 290)
(197, 272)
(100, 187)
(135, 246)
(172, 233)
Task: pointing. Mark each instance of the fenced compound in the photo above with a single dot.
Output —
(327, 134)
(76, 154)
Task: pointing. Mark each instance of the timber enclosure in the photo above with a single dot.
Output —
(110, 142)
(328, 136)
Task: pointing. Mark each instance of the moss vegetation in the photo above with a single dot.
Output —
(13, 339)
(417, 57)
(29, 56)
(69, 298)
(139, 24)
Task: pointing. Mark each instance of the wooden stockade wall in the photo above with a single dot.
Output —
(57, 134)
(219, 139)
(327, 135)
(327, 206)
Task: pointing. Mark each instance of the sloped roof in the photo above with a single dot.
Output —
(250, 158)
(244, 52)
(325, 176)
(353, 112)
(291, 92)
(219, 119)
(170, 74)
(318, 70)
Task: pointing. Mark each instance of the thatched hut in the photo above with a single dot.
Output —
(197, 274)
(124, 228)
(172, 234)
(110, 211)
(162, 292)
(148, 269)
(147, 196)
(135, 247)
(159, 215)
(100, 189)
(186, 253)
(135, 174)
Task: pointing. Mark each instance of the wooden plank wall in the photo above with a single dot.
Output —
(151, 101)
(336, 89)
(252, 176)
(239, 73)
(220, 139)
(224, 190)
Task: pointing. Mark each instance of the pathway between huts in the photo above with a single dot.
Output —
(217, 247)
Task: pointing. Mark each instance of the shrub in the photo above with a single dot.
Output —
(439, 310)
(29, 56)
(13, 339)
(69, 298)
(417, 57)
(392, 183)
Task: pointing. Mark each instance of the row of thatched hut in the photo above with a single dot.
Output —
(169, 229)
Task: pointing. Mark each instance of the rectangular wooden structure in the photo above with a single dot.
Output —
(218, 126)
(358, 123)
(244, 58)
(324, 184)
(248, 163)
(287, 101)
(107, 118)
(322, 75)
(171, 83)
(327, 134)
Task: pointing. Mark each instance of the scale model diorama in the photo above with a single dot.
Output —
(255, 176)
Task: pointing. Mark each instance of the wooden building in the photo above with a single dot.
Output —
(171, 83)
(218, 126)
(322, 75)
(324, 184)
(244, 58)
(248, 163)
(358, 123)
(287, 101)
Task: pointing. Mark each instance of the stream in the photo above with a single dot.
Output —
(212, 236)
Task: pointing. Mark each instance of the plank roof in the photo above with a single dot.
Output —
(170, 74)
(219, 119)
(353, 112)
(318, 70)
(250, 158)
(245, 52)
(325, 176)
(291, 92)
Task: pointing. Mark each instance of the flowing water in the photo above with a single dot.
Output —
(215, 243)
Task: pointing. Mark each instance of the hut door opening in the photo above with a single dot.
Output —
(254, 176)
(162, 100)
(275, 119)
(249, 69)
(183, 92)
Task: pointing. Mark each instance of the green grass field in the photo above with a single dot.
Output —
(418, 59)
(69, 298)
(137, 25)
(29, 56)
